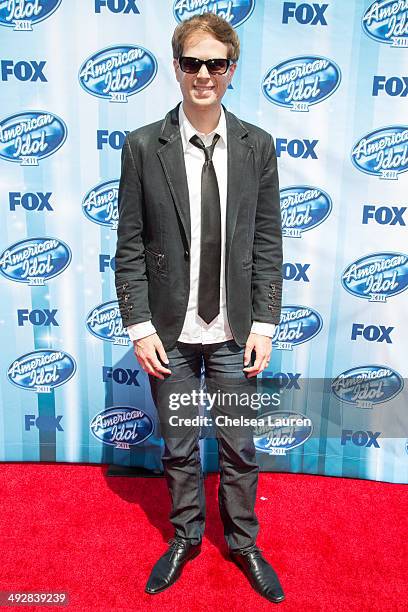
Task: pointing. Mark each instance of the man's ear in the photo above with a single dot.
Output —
(175, 66)
(231, 71)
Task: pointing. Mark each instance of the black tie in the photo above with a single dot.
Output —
(210, 251)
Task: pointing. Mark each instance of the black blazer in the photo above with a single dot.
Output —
(152, 274)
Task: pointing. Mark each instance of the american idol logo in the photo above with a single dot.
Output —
(386, 21)
(233, 11)
(104, 322)
(377, 277)
(22, 14)
(368, 385)
(100, 204)
(41, 370)
(300, 82)
(382, 153)
(303, 208)
(30, 136)
(278, 432)
(122, 426)
(118, 72)
(35, 260)
(297, 324)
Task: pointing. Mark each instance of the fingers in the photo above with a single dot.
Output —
(154, 367)
(248, 352)
(145, 351)
(162, 352)
(262, 357)
(154, 361)
(256, 368)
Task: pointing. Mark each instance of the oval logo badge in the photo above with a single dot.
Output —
(387, 22)
(233, 11)
(303, 208)
(22, 14)
(29, 136)
(300, 82)
(104, 322)
(281, 431)
(367, 385)
(122, 426)
(41, 370)
(100, 204)
(377, 277)
(35, 260)
(383, 152)
(297, 324)
(118, 72)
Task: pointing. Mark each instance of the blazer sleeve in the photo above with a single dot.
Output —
(130, 270)
(267, 248)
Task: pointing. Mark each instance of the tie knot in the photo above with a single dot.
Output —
(208, 151)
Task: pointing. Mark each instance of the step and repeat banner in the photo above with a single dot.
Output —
(329, 81)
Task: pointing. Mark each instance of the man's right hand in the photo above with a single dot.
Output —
(146, 350)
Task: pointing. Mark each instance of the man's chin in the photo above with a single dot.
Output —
(203, 102)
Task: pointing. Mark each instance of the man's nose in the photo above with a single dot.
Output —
(203, 72)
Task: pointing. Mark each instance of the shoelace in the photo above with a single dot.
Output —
(175, 543)
(254, 550)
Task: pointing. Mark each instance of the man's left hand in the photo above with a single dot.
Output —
(262, 345)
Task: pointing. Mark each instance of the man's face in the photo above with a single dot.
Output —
(203, 90)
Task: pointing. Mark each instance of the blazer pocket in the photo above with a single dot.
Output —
(155, 262)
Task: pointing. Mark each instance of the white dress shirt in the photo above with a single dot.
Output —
(195, 330)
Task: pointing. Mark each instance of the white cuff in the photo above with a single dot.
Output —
(140, 330)
(264, 329)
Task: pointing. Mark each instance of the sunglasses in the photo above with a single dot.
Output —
(192, 65)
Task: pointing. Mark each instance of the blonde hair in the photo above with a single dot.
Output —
(210, 24)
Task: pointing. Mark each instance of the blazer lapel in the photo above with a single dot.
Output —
(172, 159)
(238, 154)
(171, 156)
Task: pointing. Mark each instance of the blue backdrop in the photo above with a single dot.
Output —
(329, 82)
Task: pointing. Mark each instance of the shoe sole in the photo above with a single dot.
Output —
(175, 580)
(277, 600)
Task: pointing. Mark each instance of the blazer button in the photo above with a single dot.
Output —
(186, 254)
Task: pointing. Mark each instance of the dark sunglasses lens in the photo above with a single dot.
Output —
(192, 65)
(189, 64)
(218, 66)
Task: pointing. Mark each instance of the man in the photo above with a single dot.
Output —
(198, 279)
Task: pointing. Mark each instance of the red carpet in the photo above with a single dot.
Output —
(337, 544)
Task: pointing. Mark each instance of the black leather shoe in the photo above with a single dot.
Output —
(260, 573)
(169, 567)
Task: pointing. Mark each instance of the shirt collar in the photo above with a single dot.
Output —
(187, 130)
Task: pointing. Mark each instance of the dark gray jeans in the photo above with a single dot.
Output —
(222, 363)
